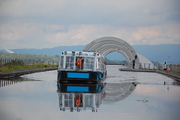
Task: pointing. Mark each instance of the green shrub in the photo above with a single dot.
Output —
(13, 67)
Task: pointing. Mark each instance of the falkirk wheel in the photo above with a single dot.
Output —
(106, 45)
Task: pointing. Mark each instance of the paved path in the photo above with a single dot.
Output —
(18, 73)
(171, 74)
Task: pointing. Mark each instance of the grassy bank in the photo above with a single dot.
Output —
(176, 71)
(12, 67)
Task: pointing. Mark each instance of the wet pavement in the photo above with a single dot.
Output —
(123, 95)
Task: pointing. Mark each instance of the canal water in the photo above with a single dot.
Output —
(124, 95)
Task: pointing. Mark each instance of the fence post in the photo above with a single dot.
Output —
(17, 62)
(144, 65)
(0, 62)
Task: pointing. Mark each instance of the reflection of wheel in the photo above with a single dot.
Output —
(78, 110)
(93, 110)
(71, 110)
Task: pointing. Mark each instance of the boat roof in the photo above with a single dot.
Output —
(80, 53)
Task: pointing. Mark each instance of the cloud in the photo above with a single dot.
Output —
(44, 23)
(117, 12)
(159, 34)
(30, 35)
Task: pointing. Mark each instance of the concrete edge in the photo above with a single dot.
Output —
(18, 73)
(168, 74)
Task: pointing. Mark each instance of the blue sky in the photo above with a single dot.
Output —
(51, 23)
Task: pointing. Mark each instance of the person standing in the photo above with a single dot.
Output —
(133, 63)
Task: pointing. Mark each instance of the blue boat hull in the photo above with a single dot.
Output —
(86, 76)
(80, 88)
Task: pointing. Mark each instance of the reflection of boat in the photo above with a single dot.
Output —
(81, 66)
(80, 97)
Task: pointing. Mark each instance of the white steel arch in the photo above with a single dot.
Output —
(105, 45)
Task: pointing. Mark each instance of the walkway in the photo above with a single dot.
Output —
(171, 74)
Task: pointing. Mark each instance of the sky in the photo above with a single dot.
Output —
(51, 23)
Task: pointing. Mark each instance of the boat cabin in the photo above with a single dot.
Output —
(86, 66)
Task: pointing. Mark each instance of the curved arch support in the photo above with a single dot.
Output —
(114, 48)
(106, 45)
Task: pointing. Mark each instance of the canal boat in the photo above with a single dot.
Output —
(81, 66)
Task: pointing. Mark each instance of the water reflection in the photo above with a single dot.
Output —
(116, 92)
(80, 97)
(176, 83)
(150, 99)
(4, 83)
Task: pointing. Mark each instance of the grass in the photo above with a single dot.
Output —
(176, 71)
(12, 67)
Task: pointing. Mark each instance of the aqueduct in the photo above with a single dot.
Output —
(106, 45)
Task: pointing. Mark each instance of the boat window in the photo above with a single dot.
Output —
(78, 100)
(89, 63)
(99, 64)
(80, 63)
(61, 62)
(103, 65)
(88, 100)
(69, 62)
(68, 100)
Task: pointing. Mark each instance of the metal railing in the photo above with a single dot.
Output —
(174, 66)
(155, 66)
(17, 62)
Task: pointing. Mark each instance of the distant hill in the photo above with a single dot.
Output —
(157, 53)
(48, 51)
(160, 53)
